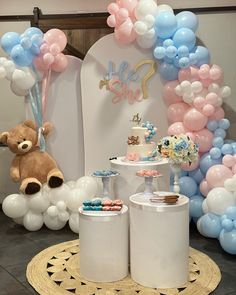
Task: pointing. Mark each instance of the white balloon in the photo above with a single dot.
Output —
(64, 216)
(59, 194)
(71, 184)
(225, 91)
(15, 206)
(213, 87)
(149, 20)
(53, 223)
(145, 42)
(3, 73)
(74, 222)
(61, 206)
(219, 199)
(2, 60)
(17, 91)
(164, 8)
(24, 78)
(75, 199)
(178, 90)
(150, 34)
(88, 184)
(205, 208)
(39, 202)
(10, 68)
(144, 8)
(219, 101)
(52, 211)
(197, 86)
(186, 86)
(140, 27)
(33, 221)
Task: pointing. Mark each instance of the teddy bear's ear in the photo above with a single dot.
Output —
(31, 124)
(47, 126)
(4, 137)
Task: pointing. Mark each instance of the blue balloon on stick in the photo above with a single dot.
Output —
(203, 55)
(228, 241)
(187, 19)
(21, 57)
(9, 40)
(188, 186)
(166, 24)
(30, 32)
(184, 37)
(168, 71)
(195, 206)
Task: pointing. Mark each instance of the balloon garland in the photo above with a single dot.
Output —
(193, 93)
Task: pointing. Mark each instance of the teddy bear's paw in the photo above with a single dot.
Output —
(55, 178)
(30, 186)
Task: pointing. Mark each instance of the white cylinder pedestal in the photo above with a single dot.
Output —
(104, 245)
(128, 183)
(159, 242)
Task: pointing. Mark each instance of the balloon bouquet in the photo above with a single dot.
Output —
(193, 93)
(33, 56)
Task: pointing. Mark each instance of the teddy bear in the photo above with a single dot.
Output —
(30, 165)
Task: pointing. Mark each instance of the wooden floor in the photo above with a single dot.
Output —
(18, 246)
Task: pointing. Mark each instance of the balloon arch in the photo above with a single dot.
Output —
(193, 93)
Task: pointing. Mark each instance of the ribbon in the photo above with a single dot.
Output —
(45, 88)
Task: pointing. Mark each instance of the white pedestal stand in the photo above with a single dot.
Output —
(128, 183)
(159, 242)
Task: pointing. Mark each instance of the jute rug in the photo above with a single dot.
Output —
(55, 271)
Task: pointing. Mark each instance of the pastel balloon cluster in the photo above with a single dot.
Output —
(122, 19)
(52, 207)
(23, 48)
(51, 56)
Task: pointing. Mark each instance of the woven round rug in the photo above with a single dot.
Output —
(55, 271)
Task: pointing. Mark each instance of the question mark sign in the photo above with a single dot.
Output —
(148, 75)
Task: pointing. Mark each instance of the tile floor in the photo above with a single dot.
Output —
(18, 246)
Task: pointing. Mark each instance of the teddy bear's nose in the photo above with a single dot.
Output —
(24, 146)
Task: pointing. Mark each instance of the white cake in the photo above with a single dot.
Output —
(138, 145)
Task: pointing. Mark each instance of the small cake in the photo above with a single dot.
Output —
(140, 145)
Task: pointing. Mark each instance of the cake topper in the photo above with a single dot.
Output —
(136, 119)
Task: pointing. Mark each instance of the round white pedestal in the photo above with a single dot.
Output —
(159, 242)
(128, 183)
(104, 245)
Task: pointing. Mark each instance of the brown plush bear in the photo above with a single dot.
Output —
(31, 166)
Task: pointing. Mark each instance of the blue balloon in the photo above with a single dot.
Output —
(159, 52)
(168, 71)
(168, 42)
(9, 40)
(227, 149)
(186, 37)
(212, 125)
(195, 206)
(210, 225)
(171, 51)
(231, 212)
(227, 224)
(206, 162)
(224, 124)
(233, 144)
(168, 60)
(193, 58)
(188, 186)
(184, 62)
(21, 57)
(183, 51)
(187, 19)
(166, 24)
(197, 175)
(218, 142)
(219, 132)
(215, 153)
(203, 55)
(228, 241)
(33, 31)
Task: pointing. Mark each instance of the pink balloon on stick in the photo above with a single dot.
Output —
(217, 174)
(204, 140)
(194, 120)
(176, 111)
(60, 63)
(56, 36)
(177, 128)
(169, 95)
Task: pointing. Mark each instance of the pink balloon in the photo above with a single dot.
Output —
(112, 8)
(169, 95)
(177, 128)
(216, 72)
(206, 82)
(189, 74)
(204, 72)
(204, 187)
(125, 33)
(217, 174)
(228, 161)
(60, 63)
(208, 110)
(199, 102)
(176, 111)
(48, 59)
(194, 120)
(128, 4)
(111, 21)
(122, 15)
(39, 63)
(218, 115)
(44, 48)
(204, 140)
(54, 49)
(212, 98)
(190, 167)
(234, 169)
(55, 36)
